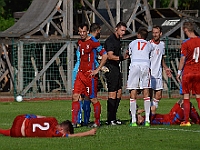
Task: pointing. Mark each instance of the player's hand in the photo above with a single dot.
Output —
(92, 131)
(93, 72)
(140, 111)
(127, 54)
(168, 72)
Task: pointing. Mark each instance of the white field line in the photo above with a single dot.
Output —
(183, 130)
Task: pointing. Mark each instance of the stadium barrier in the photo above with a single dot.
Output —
(44, 69)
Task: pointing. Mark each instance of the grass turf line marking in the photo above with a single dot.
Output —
(197, 131)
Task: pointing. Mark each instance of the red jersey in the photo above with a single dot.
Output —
(35, 127)
(42, 127)
(175, 116)
(190, 48)
(88, 54)
(190, 75)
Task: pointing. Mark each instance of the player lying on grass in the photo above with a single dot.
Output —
(174, 117)
(40, 126)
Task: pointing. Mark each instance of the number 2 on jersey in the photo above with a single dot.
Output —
(141, 45)
(44, 127)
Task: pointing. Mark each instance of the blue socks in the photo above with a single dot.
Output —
(87, 110)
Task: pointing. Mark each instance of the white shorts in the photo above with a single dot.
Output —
(139, 77)
(156, 83)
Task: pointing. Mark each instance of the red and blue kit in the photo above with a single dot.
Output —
(84, 83)
(31, 126)
(175, 116)
(190, 77)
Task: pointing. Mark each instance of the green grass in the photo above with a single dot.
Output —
(107, 138)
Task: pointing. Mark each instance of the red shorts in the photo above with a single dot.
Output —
(16, 127)
(191, 82)
(84, 84)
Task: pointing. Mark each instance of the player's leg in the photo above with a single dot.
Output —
(145, 84)
(5, 132)
(132, 85)
(196, 87)
(157, 97)
(187, 83)
(79, 118)
(75, 109)
(92, 87)
(157, 86)
(147, 105)
(79, 88)
(194, 116)
(186, 105)
(86, 110)
(113, 77)
(97, 112)
(118, 99)
(133, 107)
(111, 106)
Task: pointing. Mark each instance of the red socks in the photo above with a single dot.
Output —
(5, 132)
(186, 104)
(75, 109)
(97, 112)
(194, 116)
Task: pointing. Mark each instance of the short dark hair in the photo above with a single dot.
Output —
(143, 32)
(121, 24)
(84, 25)
(94, 27)
(157, 27)
(189, 25)
(67, 126)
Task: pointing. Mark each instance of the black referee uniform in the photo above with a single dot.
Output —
(114, 76)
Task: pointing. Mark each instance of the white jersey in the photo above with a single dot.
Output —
(139, 51)
(156, 59)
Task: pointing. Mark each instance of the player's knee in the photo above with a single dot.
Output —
(94, 100)
(75, 97)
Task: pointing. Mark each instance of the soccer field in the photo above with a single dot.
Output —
(123, 137)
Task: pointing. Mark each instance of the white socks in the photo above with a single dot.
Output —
(133, 109)
(147, 105)
(155, 102)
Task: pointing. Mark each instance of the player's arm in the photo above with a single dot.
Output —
(86, 133)
(140, 111)
(167, 70)
(180, 67)
(104, 55)
(103, 60)
(38, 116)
(110, 52)
(111, 56)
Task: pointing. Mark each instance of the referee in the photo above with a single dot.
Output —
(114, 76)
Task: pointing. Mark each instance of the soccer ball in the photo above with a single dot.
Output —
(19, 98)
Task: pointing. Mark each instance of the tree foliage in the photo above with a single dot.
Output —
(182, 4)
(2, 4)
(7, 8)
